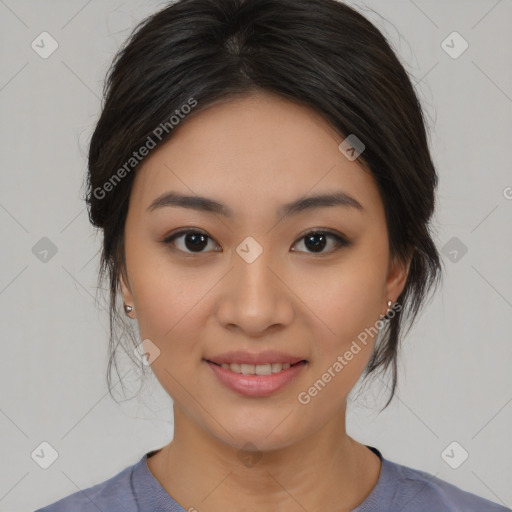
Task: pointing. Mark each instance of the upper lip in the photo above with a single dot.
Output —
(267, 356)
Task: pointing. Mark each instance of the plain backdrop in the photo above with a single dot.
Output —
(455, 378)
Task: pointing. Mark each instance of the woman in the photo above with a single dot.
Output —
(263, 181)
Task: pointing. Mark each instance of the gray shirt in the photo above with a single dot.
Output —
(398, 489)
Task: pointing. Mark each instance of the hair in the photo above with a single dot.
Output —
(317, 53)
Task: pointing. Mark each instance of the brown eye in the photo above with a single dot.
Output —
(193, 241)
(316, 241)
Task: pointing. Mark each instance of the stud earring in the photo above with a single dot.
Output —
(127, 309)
(385, 316)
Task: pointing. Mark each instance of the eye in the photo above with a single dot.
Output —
(195, 241)
(318, 239)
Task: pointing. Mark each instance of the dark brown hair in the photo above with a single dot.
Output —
(318, 53)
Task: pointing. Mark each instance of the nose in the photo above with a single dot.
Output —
(255, 297)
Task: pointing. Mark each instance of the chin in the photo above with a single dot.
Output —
(261, 436)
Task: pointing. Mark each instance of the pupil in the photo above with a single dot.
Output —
(317, 247)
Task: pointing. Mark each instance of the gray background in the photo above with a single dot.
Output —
(455, 379)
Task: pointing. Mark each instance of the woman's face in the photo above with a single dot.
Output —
(251, 278)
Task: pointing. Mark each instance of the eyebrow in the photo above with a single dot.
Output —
(204, 204)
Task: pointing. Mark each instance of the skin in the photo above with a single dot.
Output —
(254, 154)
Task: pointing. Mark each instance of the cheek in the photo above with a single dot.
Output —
(173, 304)
(163, 293)
(347, 303)
(168, 305)
(344, 326)
(169, 308)
(343, 301)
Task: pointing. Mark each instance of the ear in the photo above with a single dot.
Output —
(398, 272)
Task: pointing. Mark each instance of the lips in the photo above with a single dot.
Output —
(257, 384)
(256, 374)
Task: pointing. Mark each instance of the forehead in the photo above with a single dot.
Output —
(261, 150)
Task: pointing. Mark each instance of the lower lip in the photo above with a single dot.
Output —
(256, 385)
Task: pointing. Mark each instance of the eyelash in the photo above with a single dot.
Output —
(341, 241)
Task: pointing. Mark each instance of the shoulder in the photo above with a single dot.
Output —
(115, 494)
(423, 492)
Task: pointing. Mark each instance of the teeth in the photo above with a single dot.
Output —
(256, 369)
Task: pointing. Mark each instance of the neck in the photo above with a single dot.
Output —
(326, 469)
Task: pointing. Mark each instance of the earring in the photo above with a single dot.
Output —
(127, 309)
(390, 303)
